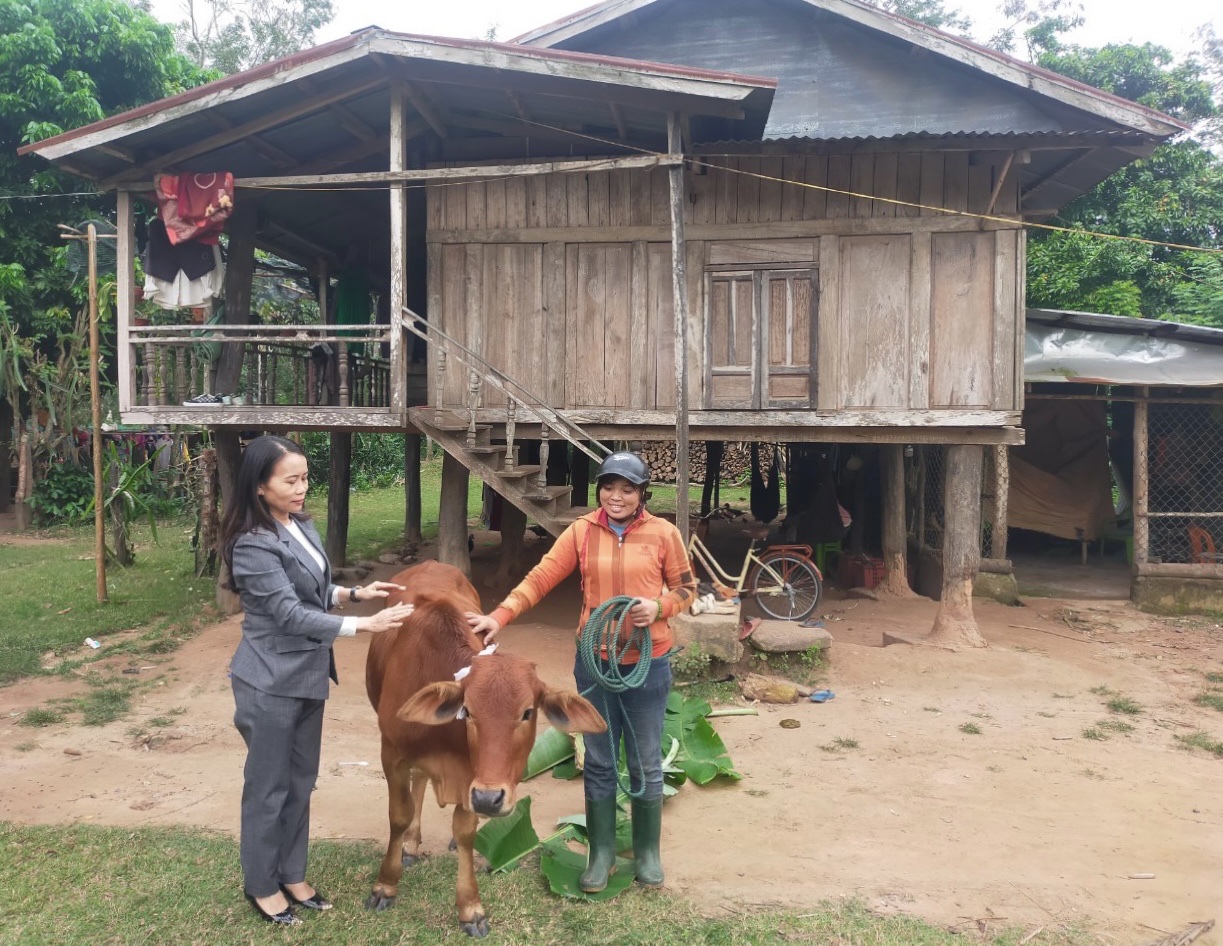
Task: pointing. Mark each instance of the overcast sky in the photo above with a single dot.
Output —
(1169, 23)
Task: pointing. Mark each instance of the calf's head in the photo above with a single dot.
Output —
(499, 701)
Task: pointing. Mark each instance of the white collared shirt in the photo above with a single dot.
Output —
(349, 627)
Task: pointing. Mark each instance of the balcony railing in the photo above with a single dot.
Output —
(288, 366)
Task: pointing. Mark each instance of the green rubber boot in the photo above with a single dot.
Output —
(601, 832)
(647, 830)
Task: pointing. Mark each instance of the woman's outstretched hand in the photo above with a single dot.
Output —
(387, 619)
(484, 624)
(377, 589)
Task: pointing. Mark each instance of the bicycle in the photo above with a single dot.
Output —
(783, 578)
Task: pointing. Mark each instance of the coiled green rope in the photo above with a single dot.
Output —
(603, 633)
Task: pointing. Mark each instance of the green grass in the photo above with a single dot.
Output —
(1115, 725)
(840, 744)
(375, 516)
(971, 729)
(1123, 704)
(1214, 677)
(85, 884)
(1202, 740)
(1212, 698)
(50, 602)
(42, 716)
(1094, 733)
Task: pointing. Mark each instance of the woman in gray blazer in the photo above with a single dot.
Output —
(281, 667)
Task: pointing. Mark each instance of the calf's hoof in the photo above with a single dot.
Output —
(477, 927)
(379, 901)
(410, 860)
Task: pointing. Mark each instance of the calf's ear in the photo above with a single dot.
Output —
(433, 705)
(570, 712)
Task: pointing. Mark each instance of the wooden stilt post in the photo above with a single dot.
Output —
(452, 516)
(412, 534)
(229, 457)
(1142, 480)
(955, 627)
(1002, 489)
(513, 525)
(399, 248)
(895, 540)
(679, 290)
(337, 497)
(238, 276)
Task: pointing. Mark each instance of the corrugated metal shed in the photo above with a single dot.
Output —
(1091, 348)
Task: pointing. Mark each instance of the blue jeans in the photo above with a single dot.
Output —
(637, 715)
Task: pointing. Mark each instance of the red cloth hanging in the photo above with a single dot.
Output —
(195, 206)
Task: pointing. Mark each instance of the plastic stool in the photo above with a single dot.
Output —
(822, 553)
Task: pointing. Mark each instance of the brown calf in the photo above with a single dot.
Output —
(470, 738)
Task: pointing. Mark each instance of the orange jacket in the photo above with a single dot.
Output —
(649, 559)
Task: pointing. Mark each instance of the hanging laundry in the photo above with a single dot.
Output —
(183, 275)
(765, 497)
(195, 206)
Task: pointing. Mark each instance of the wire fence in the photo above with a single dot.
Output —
(1185, 476)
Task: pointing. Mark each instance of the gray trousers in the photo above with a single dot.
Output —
(283, 737)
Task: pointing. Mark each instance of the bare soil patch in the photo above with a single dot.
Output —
(1025, 824)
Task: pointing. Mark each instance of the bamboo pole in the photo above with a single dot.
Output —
(679, 289)
(95, 403)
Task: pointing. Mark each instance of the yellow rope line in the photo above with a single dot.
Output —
(1018, 221)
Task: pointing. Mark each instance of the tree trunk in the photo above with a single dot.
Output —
(229, 456)
(955, 627)
(208, 531)
(337, 498)
(895, 540)
(452, 516)
(25, 485)
(118, 524)
(513, 525)
(6, 454)
(240, 268)
(412, 534)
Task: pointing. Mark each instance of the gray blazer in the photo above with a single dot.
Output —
(286, 631)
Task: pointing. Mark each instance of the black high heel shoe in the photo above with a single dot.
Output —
(316, 902)
(285, 917)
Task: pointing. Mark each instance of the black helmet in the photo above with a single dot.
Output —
(625, 464)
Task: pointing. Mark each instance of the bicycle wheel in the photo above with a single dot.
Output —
(795, 596)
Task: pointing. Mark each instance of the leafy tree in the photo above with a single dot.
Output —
(65, 63)
(1174, 196)
(1039, 22)
(234, 35)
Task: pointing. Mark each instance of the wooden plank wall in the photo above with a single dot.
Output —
(563, 281)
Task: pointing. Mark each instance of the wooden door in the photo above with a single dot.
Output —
(759, 339)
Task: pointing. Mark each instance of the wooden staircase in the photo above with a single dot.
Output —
(497, 466)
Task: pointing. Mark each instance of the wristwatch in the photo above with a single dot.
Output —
(352, 593)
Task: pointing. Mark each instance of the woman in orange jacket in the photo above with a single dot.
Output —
(619, 550)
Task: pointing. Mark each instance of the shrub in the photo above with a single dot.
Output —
(63, 494)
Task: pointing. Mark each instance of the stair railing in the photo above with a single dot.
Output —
(480, 372)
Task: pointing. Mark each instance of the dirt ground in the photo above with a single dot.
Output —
(1026, 824)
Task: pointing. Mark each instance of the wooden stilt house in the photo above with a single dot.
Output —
(806, 226)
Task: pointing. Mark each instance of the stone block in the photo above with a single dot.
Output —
(787, 637)
(1001, 588)
(716, 634)
(1161, 595)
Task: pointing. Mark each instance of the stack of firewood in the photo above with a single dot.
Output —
(736, 462)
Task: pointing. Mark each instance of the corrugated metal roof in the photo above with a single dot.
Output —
(575, 31)
(1088, 348)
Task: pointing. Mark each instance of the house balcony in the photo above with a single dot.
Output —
(301, 377)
